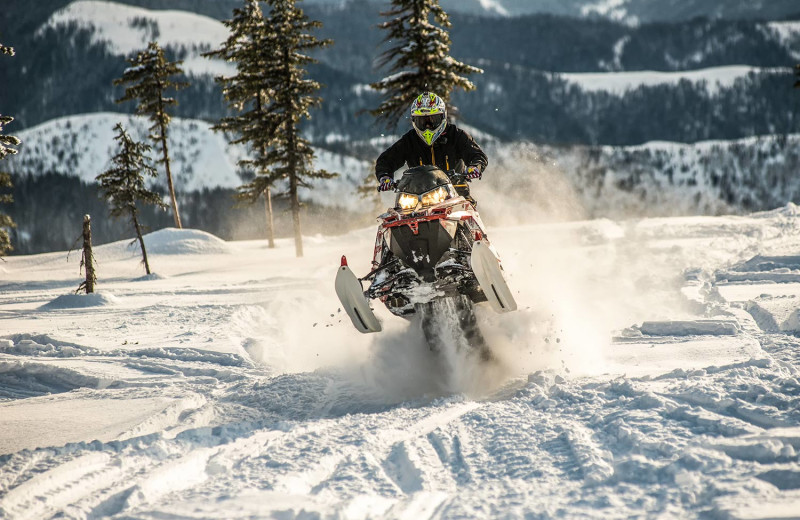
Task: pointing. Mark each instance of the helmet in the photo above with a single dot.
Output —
(428, 116)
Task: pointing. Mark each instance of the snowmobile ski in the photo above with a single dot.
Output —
(351, 294)
(486, 267)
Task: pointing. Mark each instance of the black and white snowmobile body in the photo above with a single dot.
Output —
(431, 247)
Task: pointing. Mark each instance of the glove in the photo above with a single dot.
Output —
(474, 172)
(385, 183)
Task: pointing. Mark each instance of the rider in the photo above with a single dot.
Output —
(432, 141)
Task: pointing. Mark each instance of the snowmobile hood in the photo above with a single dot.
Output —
(422, 179)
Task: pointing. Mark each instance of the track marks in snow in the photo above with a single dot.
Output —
(396, 458)
(35, 365)
(405, 466)
(450, 448)
(192, 411)
(595, 462)
(779, 445)
(55, 489)
(171, 477)
(401, 455)
(422, 458)
(22, 379)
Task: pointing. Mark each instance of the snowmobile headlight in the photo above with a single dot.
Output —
(407, 201)
(436, 196)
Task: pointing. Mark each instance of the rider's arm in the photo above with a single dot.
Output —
(390, 160)
(470, 151)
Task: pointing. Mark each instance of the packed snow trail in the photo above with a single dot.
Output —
(638, 378)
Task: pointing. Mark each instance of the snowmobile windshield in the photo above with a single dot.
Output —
(423, 186)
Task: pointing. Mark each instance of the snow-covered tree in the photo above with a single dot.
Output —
(247, 94)
(7, 144)
(418, 58)
(123, 185)
(149, 77)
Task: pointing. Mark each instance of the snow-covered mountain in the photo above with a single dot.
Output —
(651, 371)
(708, 177)
(619, 83)
(84, 145)
(789, 33)
(125, 30)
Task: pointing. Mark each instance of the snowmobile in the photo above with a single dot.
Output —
(432, 259)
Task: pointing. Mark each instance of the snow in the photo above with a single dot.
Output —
(493, 6)
(126, 30)
(715, 78)
(612, 9)
(71, 301)
(619, 49)
(173, 241)
(690, 328)
(636, 380)
(788, 35)
(42, 424)
(361, 89)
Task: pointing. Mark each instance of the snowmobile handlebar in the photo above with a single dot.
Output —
(457, 178)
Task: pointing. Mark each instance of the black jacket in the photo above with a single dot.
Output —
(453, 150)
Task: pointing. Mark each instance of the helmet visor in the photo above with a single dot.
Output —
(428, 122)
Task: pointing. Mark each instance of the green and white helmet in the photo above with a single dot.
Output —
(428, 116)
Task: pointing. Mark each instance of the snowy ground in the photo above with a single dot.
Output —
(652, 371)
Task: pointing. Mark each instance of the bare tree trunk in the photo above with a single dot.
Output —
(141, 242)
(270, 222)
(170, 185)
(291, 149)
(176, 214)
(268, 190)
(295, 201)
(298, 237)
(87, 255)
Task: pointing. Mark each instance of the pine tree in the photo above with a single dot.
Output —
(797, 73)
(246, 93)
(292, 95)
(150, 76)
(272, 82)
(418, 58)
(7, 142)
(123, 184)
